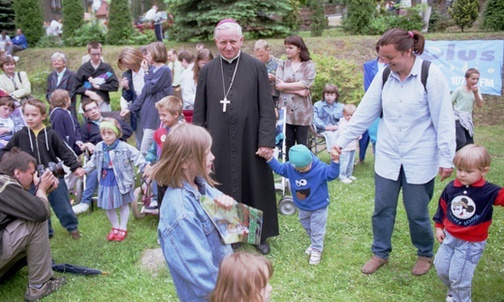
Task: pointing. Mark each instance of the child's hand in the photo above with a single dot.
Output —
(124, 112)
(125, 83)
(265, 152)
(79, 172)
(440, 235)
(147, 171)
(145, 65)
(224, 201)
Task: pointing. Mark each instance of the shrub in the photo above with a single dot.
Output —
(120, 23)
(38, 83)
(87, 33)
(29, 19)
(358, 16)
(464, 13)
(390, 19)
(439, 22)
(292, 18)
(317, 18)
(72, 12)
(340, 72)
(493, 15)
(48, 42)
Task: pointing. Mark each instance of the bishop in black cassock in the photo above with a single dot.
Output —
(240, 123)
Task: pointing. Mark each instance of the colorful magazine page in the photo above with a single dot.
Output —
(240, 223)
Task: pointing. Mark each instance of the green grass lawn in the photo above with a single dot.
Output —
(347, 242)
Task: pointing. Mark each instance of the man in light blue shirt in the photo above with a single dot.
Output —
(417, 140)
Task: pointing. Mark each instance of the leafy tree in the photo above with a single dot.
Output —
(72, 11)
(493, 15)
(358, 16)
(293, 18)
(29, 19)
(7, 16)
(197, 18)
(317, 18)
(464, 13)
(119, 23)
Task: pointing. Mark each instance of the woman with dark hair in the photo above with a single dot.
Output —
(190, 78)
(417, 141)
(295, 76)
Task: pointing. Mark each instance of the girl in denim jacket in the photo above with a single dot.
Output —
(114, 160)
(190, 241)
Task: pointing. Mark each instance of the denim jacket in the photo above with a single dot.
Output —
(190, 241)
(123, 157)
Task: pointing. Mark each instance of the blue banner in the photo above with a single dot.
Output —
(455, 57)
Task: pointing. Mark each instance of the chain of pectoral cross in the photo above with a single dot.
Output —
(225, 101)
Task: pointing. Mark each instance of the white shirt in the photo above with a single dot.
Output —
(188, 87)
(417, 130)
(138, 80)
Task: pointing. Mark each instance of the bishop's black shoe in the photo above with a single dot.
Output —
(263, 248)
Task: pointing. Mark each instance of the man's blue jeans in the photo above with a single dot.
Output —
(60, 203)
(91, 185)
(416, 200)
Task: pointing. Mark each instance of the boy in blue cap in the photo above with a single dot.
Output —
(308, 177)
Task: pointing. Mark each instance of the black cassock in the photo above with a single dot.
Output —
(248, 123)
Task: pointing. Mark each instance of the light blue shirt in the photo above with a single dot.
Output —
(325, 115)
(417, 130)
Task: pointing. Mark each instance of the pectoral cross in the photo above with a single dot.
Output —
(224, 103)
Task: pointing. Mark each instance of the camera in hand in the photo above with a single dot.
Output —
(55, 168)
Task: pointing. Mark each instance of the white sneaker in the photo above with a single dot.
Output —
(149, 210)
(346, 180)
(308, 250)
(449, 297)
(80, 208)
(315, 257)
(352, 178)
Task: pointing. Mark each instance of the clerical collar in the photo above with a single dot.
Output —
(231, 60)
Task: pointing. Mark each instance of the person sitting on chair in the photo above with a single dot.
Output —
(327, 113)
(91, 136)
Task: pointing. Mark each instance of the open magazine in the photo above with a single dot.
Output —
(240, 223)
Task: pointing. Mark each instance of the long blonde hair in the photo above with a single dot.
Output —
(242, 278)
(184, 142)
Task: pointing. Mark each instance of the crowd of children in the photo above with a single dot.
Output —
(176, 156)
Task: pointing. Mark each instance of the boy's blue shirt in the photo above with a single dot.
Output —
(309, 190)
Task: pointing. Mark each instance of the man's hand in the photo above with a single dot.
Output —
(445, 173)
(224, 201)
(265, 152)
(47, 182)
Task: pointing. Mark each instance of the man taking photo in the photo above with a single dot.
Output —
(24, 234)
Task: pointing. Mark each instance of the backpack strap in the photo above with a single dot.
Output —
(19, 77)
(424, 74)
